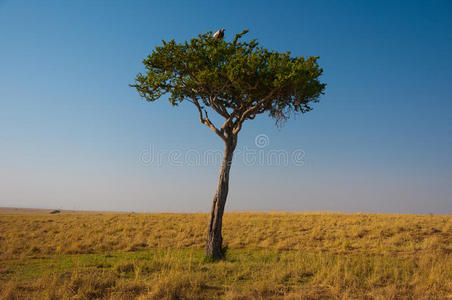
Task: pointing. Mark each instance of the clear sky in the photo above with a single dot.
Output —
(73, 135)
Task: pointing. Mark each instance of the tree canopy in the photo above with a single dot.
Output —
(237, 79)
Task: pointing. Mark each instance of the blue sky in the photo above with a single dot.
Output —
(73, 135)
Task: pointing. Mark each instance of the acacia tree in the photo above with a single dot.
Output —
(237, 80)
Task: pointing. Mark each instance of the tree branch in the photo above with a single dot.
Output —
(226, 124)
(218, 108)
(196, 103)
(206, 121)
(209, 124)
(252, 111)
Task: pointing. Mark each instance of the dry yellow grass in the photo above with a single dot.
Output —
(270, 256)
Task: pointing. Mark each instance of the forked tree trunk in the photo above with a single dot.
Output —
(214, 238)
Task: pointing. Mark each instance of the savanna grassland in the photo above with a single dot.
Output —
(269, 256)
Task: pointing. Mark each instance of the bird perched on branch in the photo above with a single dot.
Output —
(219, 34)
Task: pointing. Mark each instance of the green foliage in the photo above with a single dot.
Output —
(237, 79)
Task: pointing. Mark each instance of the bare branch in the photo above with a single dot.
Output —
(204, 118)
(218, 107)
(209, 124)
(196, 103)
(226, 124)
(252, 111)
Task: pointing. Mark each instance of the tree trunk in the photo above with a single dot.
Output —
(214, 239)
